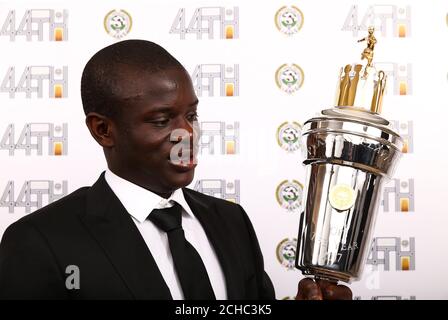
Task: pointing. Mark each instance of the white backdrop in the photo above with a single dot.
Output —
(243, 46)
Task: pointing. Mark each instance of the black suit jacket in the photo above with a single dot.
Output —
(92, 230)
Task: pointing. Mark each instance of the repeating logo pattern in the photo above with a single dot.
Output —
(289, 136)
(399, 196)
(219, 137)
(220, 188)
(216, 79)
(33, 194)
(406, 131)
(210, 22)
(34, 80)
(118, 23)
(399, 77)
(31, 139)
(383, 248)
(286, 253)
(289, 195)
(289, 78)
(388, 19)
(289, 20)
(36, 24)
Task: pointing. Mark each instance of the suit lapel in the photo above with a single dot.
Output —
(113, 228)
(216, 229)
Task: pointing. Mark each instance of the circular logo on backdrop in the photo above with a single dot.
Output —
(342, 197)
(289, 20)
(289, 195)
(289, 136)
(286, 253)
(289, 78)
(118, 23)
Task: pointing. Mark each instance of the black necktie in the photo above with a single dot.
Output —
(190, 269)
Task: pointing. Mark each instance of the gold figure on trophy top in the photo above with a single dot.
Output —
(362, 86)
(368, 52)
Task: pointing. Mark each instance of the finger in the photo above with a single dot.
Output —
(343, 292)
(333, 291)
(327, 288)
(308, 290)
(324, 284)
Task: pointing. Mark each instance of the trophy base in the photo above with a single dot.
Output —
(325, 274)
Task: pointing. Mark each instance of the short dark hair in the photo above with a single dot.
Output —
(100, 82)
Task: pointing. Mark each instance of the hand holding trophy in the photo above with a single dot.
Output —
(351, 151)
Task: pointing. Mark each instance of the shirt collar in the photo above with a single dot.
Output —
(138, 201)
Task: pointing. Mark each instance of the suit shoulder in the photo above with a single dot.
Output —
(60, 209)
(213, 200)
(228, 210)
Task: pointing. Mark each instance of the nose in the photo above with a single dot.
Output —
(185, 130)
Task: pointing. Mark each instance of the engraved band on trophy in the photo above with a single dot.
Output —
(351, 151)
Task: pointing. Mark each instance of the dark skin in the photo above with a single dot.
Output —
(137, 144)
(309, 289)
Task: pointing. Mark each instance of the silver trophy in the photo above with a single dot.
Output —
(351, 151)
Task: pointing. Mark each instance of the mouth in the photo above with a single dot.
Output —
(183, 163)
(182, 166)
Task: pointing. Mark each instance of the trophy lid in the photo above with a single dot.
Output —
(362, 86)
(354, 121)
(358, 104)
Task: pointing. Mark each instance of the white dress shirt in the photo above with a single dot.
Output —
(139, 203)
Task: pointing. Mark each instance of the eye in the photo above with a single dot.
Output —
(192, 117)
(160, 122)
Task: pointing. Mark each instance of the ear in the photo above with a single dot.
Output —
(101, 129)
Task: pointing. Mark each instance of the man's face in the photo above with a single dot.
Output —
(154, 107)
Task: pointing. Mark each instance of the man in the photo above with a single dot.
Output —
(138, 233)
